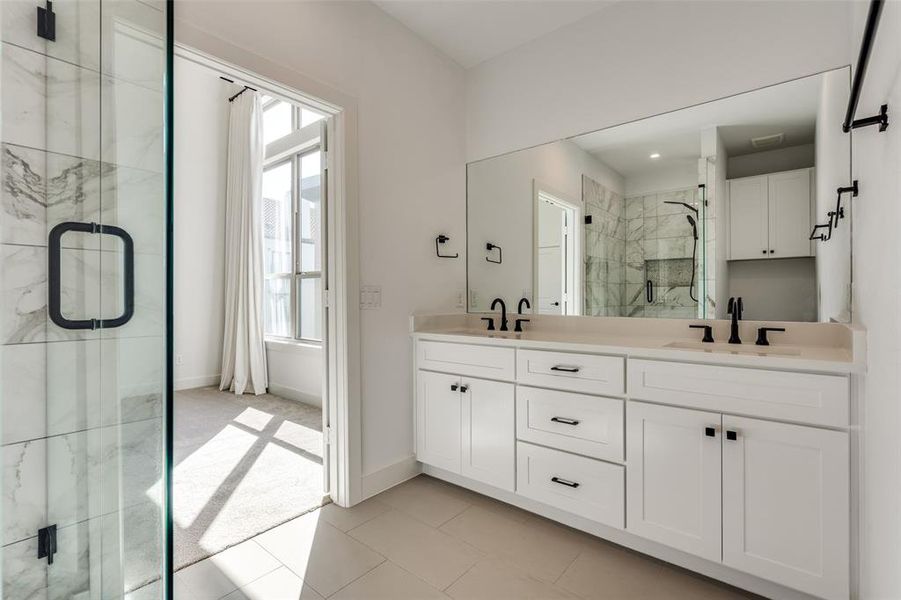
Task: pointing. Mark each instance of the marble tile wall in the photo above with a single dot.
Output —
(605, 247)
(81, 140)
(659, 244)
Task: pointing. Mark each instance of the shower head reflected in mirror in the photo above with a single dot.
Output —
(686, 205)
(694, 225)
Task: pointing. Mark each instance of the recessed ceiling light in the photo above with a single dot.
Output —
(655, 155)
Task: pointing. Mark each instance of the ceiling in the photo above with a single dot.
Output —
(789, 108)
(473, 31)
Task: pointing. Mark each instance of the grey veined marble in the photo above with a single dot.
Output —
(42, 189)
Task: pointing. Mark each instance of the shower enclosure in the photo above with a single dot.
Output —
(83, 297)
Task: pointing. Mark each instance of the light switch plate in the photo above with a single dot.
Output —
(370, 297)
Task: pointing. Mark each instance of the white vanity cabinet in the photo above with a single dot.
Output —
(745, 467)
(673, 486)
(786, 504)
(439, 420)
(488, 432)
(766, 498)
(770, 215)
(466, 425)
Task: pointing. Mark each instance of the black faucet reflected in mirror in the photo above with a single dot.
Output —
(521, 302)
(735, 309)
(494, 303)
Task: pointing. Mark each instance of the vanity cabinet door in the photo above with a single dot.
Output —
(673, 477)
(785, 504)
(748, 218)
(789, 214)
(489, 433)
(439, 406)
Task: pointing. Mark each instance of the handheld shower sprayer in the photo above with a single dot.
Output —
(694, 255)
(694, 226)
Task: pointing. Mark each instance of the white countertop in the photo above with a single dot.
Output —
(818, 351)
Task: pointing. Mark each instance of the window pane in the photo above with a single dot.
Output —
(308, 116)
(310, 212)
(277, 219)
(277, 301)
(276, 121)
(310, 309)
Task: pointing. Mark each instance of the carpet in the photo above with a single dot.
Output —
(243, 465)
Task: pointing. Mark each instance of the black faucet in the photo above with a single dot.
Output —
(503, 312)
(735, 308)
(521, 302)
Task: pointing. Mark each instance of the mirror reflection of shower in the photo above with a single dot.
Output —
(694, 251)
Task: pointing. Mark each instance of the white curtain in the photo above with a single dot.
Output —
(244, 351)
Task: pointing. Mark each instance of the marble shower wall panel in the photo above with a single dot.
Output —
(81, 141)
(659, 234)
(605, 247)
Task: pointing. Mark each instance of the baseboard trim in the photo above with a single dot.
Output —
(291, 393)
(189, 383)
(390, 476)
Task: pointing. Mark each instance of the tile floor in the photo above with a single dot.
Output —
(426, 539)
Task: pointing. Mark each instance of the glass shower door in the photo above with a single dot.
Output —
(83, 298)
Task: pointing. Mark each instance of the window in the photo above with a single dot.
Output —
(293, 221)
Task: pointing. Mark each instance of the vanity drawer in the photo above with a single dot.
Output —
(587, 373)
(577, 423)
(490, 362)
(578, 485)
(801, 397)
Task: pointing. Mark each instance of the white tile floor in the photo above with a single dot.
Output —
(427, 539)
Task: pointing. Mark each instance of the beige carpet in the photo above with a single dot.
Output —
(243, 464)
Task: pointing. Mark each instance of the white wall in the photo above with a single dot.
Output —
(775, 290)
(636, 59)
(500, 199)
(295, 371)
(681, 175)
(877, 307)
(410, 169)
(200, 140)
(780, 159)
(833, 171)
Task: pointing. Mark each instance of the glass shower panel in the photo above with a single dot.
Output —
(82, 299)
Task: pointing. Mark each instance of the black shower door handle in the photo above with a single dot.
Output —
(55, 250)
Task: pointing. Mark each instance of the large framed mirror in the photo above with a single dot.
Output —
(672, 215)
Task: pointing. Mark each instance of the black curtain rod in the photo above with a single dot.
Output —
(866, 47)
(246, 87)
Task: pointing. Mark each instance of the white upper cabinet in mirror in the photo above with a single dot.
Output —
(672, 215)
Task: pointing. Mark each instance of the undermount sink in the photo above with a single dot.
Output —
(734, 349)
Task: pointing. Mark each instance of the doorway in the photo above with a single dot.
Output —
(244, 464)
(557, 253)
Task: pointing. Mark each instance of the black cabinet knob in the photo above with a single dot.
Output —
(710, 431)
(463, 389)
(454, 387)
(731, 435)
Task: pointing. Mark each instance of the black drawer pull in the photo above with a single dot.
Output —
(564, 420)
(565, 369)
(565, 482)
